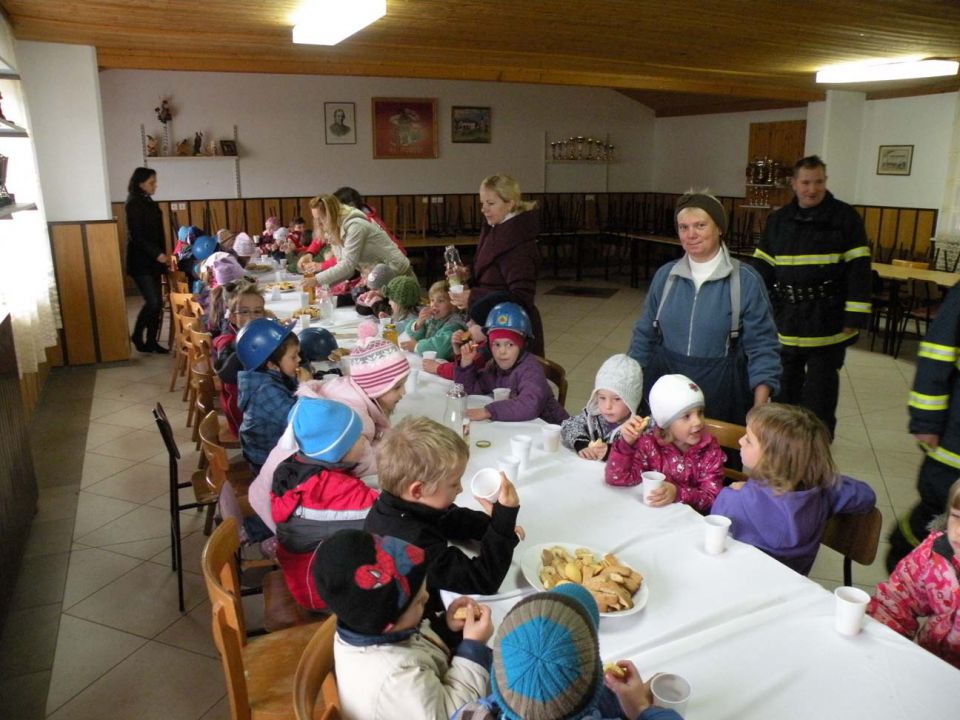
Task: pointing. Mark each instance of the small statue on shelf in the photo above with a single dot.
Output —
(198, 143)
(164, 111)
(211, 148)
(151, 146)
(183, 148)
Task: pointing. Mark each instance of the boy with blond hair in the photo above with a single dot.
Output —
(420, 463)
(435, 325)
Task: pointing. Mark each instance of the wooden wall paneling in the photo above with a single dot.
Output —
(272, 208)
(926, 226)
(120, 215)
(888, 230)
(470, 213)
(178, 217)
(106, 278)
(906, 233)
(236, 217)
(253, 209)
(421, 214)
(289, 209)
(200, 215)
(70, 268)
(787, 139)
(390, 212)
(218, 215)
(871, 222)
(759, 144)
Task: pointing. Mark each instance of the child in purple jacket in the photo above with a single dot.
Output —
(508, 329)
(794, 486)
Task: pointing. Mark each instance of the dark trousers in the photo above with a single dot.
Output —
(147, 328)
(811, 377)
(933, 484)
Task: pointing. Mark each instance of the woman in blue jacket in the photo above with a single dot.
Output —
(707, 316)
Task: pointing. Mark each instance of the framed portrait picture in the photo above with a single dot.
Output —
(470, 124)
(404, 128)
(340, 119)
(228, 147)
(895, 160)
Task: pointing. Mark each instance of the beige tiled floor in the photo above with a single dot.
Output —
(98, 600)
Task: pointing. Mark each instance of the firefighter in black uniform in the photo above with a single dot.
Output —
(935, 422)
(814, 258)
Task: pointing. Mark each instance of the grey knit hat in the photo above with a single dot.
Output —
(706, 202)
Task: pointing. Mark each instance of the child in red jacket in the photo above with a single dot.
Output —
(314, 492)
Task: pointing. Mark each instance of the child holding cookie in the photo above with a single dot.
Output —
(435, 325)
(679, 447)
(616, 396)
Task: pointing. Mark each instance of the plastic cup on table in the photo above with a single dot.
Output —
(486, 484)
(430, 355)
(509, 465)
(671, 691)
(851, 607)
(501, 393)
(551, 438)
(520, 448)
(652, 480)
(412, 379)
(304, 322)
(275, 294)
(304, 299)
(715, 538)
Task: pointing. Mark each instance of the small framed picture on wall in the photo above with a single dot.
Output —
(404, 128)
(895, 160)
(470, 124)
(340, 119)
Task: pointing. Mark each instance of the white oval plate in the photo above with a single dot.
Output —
(530, 564)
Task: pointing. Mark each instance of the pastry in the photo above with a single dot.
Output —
(614, 669)
(611, 583)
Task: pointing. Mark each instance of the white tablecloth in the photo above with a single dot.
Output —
(755, 639)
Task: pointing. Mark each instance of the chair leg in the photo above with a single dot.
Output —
(178, 551)
(208, 523)
(176, 369)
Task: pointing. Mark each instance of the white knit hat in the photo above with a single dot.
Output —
(671, 397)
(243, 245)
(620, 374)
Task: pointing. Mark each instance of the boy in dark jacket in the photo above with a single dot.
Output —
(420, 463)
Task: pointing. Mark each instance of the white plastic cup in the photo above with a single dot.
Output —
(501, 393)
(429, 355)
(652, 480)
(279, 276)
(456, 289)
(486, 484)
(304, 299)
(551, 438)
(851, 607)
(412, 379)
(304, 322)
(275, 295)
(345, 365)
(715, 539)
(509, 465)
(671, 691)
(520, 448)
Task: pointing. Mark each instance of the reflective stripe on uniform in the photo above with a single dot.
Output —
(948, 458)
(929, 402)
(794, 260)
(857, 252)
(815, 341)
(857, 307)
(933, 351)
(760, 254)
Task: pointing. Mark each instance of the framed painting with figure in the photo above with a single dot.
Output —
(404, 128)
(340, 119)
(470, 124)
(228, 147)
(895, 160)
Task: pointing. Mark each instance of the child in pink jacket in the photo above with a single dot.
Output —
(679, 447)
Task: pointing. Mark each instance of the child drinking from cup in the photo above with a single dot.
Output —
(615, 397)
(508, 329)
(389, 663)
(434, 327)
(793, 487)
(558, 675)
(924, 586)
(679, 447)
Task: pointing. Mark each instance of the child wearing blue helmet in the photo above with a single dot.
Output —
(508, 329)
(270, 355)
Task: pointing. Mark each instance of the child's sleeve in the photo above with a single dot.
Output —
(531, 397)
(415, 691)
(621, 468)
(455, 571)
(440, 341)
(575, 432)
(852, 496)
(902, 599)
(469, 377)
(708, 481)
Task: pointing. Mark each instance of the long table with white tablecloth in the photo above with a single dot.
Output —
(754, 638)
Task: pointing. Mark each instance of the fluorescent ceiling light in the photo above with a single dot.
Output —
(327, 22)
(875, 72)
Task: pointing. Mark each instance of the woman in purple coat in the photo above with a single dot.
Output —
(507, 258)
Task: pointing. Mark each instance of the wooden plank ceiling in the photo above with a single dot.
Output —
(678, 57)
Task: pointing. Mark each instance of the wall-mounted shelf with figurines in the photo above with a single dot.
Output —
(194, 149)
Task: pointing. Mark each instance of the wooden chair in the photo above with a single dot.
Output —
(204, 495)
(178, 306)
(557, 375)
(856, 537)
(922, 306)
(315, 679)
(258, 671)
(728, 436)
(186, 324)
(220, 469)
(200, 366)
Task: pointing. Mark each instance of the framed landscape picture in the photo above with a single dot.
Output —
(340, 119)
(895, 160)
(404, 128)
(470, 124)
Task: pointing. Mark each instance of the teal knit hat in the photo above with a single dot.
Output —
(404, 291)
(546, 657)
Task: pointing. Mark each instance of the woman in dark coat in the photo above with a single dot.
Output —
(146, 259)
(507, 259)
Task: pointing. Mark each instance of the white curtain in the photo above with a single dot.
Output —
(948, 224)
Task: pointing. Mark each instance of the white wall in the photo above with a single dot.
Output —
(708, 151)
(926, 122)
(816, 119)
(61, 87)
(842, 128)
(281, 130)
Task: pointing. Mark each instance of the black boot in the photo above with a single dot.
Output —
(153, 332)
(137, 337)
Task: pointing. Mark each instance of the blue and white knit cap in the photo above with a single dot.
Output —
(325, 430)
(546, 657)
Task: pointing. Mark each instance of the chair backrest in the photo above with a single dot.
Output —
(315, 678)
(216, 454)
(202, 343)
(557, 375)
(221, 575)
(856, 537)
(166, 432)
(728, 436)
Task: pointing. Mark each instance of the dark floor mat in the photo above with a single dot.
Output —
(580, 291)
